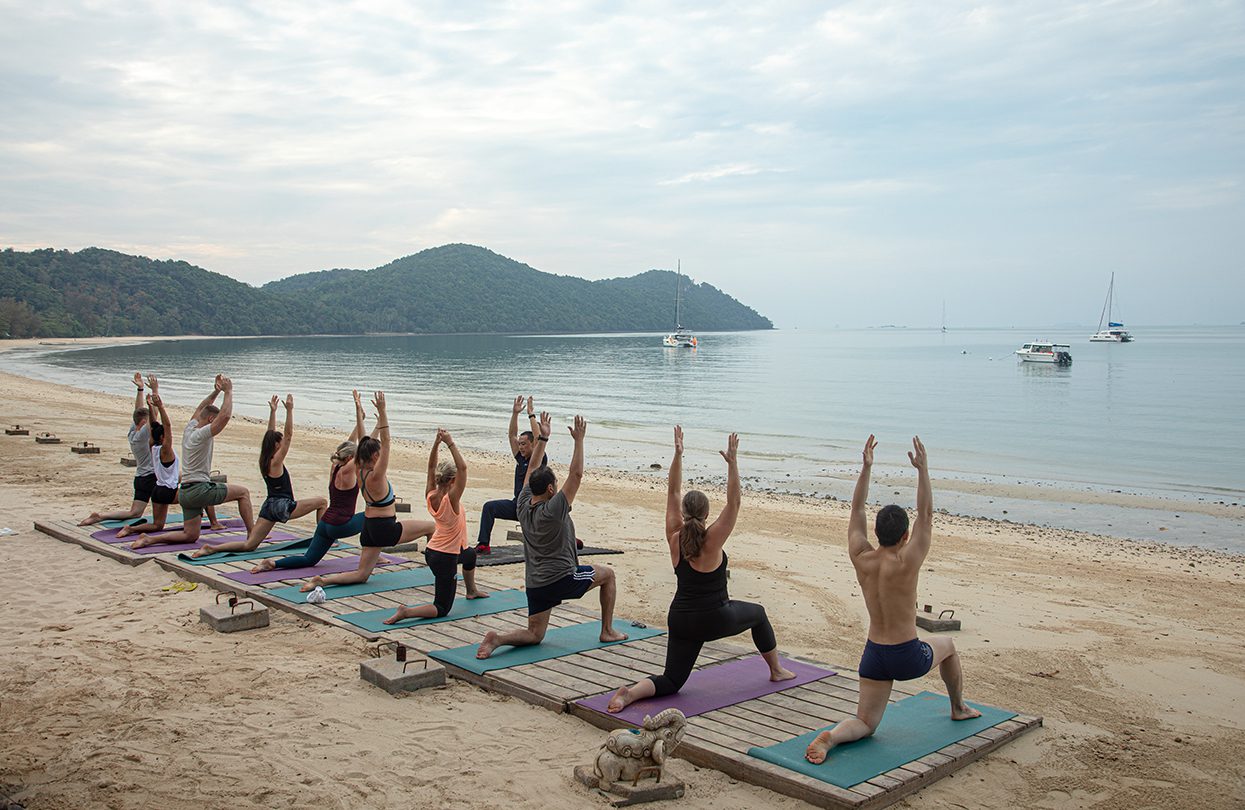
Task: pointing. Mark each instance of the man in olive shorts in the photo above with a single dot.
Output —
(198, 491)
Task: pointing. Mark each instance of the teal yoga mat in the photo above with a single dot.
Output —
(173, 519)
(464, 608)
(910, 729)
(377, 583)
(558, 642)
(269, 550)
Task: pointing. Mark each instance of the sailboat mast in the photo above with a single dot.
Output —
(1106, 305)
(678, 291)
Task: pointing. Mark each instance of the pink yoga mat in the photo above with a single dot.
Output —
(110, 535)
(715, 687)
(335, 566)
(274, 537)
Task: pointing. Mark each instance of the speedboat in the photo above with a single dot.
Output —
(1042, 352)
(680, 340)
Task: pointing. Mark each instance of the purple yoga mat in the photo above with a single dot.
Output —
(274, 537)
(335, 566)
(110, 535)
(715, 687)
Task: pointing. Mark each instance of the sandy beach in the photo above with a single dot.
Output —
(113, 695)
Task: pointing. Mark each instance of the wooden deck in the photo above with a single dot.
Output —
(719, 739)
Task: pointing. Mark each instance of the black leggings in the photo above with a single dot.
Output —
(445, 568)
(689, 630)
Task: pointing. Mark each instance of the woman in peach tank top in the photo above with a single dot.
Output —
(448, 545)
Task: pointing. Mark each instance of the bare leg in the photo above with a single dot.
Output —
(534, 634)
(604, 579)
(253, 538)
(777, 672)
(305, 506)
(873, 697)
(368, 557)
(266, 564)
(188, 534)
(135, 511)
(473, 592)
(239, 493)
(412, 530)
(948, 662)
(159, 511)
(626, 695)
(214, 522)
(412, 612)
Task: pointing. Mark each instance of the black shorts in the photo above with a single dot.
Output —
(277, 508)
(143, 485)
(571, 586)
(164, 495)
(380, 532)
(895, 662)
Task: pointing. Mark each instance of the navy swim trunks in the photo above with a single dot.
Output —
(571, 586)
(896, 662)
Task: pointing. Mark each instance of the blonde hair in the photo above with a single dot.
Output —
(344, 452)
(692, 535)
(446, 472)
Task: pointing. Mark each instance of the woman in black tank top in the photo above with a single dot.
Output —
(280, 505)
(701, 610)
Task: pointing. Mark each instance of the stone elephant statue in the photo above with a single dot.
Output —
(626, 752)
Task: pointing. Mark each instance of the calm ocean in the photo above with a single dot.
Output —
(1158, 418)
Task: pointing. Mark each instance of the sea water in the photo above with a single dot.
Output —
(1142, 440)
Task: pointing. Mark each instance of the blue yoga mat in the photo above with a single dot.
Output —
(171, 519)
(558, 642)
(377, 583)
(270, 550)
(910, 729)
(497, 602)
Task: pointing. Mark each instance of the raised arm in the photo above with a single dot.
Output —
(167, 454)
(512, 432)
(531, 417)
(287, 435)
(226, 407)
(272, 411)
(923, 526)
(857, 525)
(538, 445)
(720, 529)
(460, 471)
(432, 463)
(152, 419)
(575, 472)
(139, 393)
(674, 492)
(210, 398)
(381, 432)
(358, 432)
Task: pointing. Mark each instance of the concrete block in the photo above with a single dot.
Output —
(47, 438)
(388, 674)
(218, 477)
(17, 430)
(85, 449)
(514, 537)
(936, 621)
(400, 505)
(129, 461)
(224, 619)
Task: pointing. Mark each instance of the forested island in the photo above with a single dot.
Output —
(447, 289)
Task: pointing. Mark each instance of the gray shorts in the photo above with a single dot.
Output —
(277, 509)
(198, 495)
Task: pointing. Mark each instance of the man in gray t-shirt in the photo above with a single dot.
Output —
(139, 438)
(553, 572)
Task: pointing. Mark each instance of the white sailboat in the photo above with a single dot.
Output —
(1115, 332)
(680, 338)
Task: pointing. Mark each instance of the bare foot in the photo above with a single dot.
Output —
(488, 645)
(141, 542)
(964, 712)
(620, 700)
(312, 584)
(217, 526)
(202, 551)
(91, 519)
(477, 594)
(264, 565)
(780, 673)
(818, 748)
(399, 616)
(124, 531)
(612, 635)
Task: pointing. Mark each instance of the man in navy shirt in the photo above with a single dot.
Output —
(521, 447)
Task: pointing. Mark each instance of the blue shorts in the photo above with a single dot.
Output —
(277, 508)
(896, 662)
(571, 586)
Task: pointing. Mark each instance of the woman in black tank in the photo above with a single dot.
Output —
(702, 610)
(280, 505)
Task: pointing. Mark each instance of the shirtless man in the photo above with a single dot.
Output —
(888, 576)
(552, 570)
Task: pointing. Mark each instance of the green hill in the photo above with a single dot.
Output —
(453, 288)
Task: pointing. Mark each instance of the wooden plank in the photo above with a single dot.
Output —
(68, 533)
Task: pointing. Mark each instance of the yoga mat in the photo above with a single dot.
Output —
(497, 602)
(508, 555)
(171, 518)
(272, 550)
(910, 729)
(715, 687)
(164, 548)
(334, 566)
(110, 535)
(377, 583)
(559, 642)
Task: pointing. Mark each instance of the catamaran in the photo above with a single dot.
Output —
(1115, 332)
(680, 338)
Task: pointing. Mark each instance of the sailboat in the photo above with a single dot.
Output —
(1115, 331)
(680, 338)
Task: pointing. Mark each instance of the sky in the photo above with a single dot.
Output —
(830, 164)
